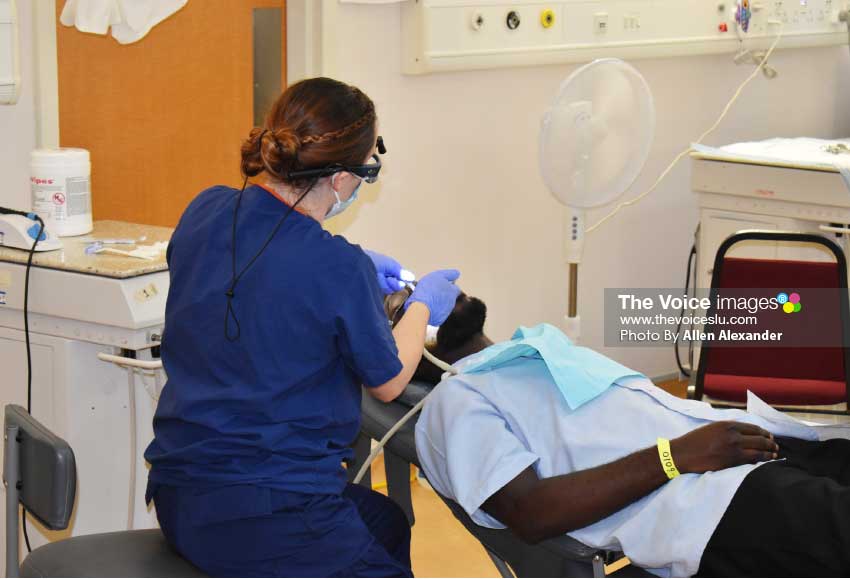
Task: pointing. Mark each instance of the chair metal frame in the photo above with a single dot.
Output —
(782, 236)
(558, 557)
(11, 472)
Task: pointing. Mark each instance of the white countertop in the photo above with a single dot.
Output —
(72, 256)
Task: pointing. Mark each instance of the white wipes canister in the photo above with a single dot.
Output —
(60, 181)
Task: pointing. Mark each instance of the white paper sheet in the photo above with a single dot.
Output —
(793, 427)
(797, 152)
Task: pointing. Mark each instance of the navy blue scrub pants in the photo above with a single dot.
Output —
(248, 531)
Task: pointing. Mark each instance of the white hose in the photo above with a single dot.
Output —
(131, 383)
(157, 381)
(439, 363)
(130, 362)
(761, 66)
(132, 365)
(397, 426)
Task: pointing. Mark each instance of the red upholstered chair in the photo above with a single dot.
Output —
(813, 369)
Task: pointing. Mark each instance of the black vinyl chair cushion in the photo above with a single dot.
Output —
(378, 417)
(414, 392)
(501, 540)
(143, 553)
(47, 464)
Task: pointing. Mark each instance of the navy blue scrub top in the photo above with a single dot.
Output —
(279, 407)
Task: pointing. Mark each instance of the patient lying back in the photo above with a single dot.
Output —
(506, 445)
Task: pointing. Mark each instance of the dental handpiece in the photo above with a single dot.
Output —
(408, 278)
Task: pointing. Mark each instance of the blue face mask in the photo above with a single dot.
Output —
(339, 206)
(580, 373)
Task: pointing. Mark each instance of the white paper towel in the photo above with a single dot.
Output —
(130, 20)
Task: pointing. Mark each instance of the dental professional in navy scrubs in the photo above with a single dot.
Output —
(272, 327)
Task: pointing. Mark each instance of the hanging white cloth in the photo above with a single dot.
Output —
(130, 20)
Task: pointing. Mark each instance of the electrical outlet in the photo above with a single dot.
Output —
(631, 22)
(600, 22)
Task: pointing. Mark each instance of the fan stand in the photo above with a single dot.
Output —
(603, 107)
(572, 297)
(573, 248)
(572, 321)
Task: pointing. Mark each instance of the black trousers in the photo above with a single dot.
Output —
(789, 518)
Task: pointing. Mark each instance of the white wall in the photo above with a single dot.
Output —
(17, 139)
(461, 187)
(17, 124)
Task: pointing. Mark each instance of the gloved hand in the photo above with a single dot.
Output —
(389, 272)
(437, 291)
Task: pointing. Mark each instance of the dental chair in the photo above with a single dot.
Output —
(400, 452)
(39, 472)
(810, 380)
(561, 557)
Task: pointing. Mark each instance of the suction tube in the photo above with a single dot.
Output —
(397, 426)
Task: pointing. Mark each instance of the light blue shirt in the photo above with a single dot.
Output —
(479, 431)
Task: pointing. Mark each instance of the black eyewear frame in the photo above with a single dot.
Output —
(368, 173)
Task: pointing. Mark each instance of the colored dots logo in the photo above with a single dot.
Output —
(790, 302)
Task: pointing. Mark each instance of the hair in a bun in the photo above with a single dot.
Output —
(274, 152)
(314, 123)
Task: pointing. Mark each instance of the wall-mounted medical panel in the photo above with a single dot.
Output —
(441, 35)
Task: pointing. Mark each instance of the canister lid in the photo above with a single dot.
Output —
(62, 154)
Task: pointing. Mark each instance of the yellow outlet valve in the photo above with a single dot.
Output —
(547, 18)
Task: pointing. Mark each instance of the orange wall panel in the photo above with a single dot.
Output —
(164, 117)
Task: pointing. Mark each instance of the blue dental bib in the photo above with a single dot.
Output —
(580, 373)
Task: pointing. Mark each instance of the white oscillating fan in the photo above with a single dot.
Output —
(594, 141)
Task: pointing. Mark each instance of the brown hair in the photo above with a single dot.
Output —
(314, 123)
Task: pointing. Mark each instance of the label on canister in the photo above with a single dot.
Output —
(61, 198)
(61, 191)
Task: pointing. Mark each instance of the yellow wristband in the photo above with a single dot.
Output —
(667, 459)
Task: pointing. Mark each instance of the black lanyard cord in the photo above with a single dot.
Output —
(234, 277)
(29, 348)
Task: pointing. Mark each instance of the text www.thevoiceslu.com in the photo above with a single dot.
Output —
(661, 319)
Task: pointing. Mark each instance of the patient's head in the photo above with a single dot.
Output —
(460, 335)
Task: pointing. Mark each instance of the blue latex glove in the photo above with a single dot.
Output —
(389, 272)
(438, 291)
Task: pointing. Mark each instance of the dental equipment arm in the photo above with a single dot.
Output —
(409, 336)
(538, 509)
(391, 276)
(431, 302)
